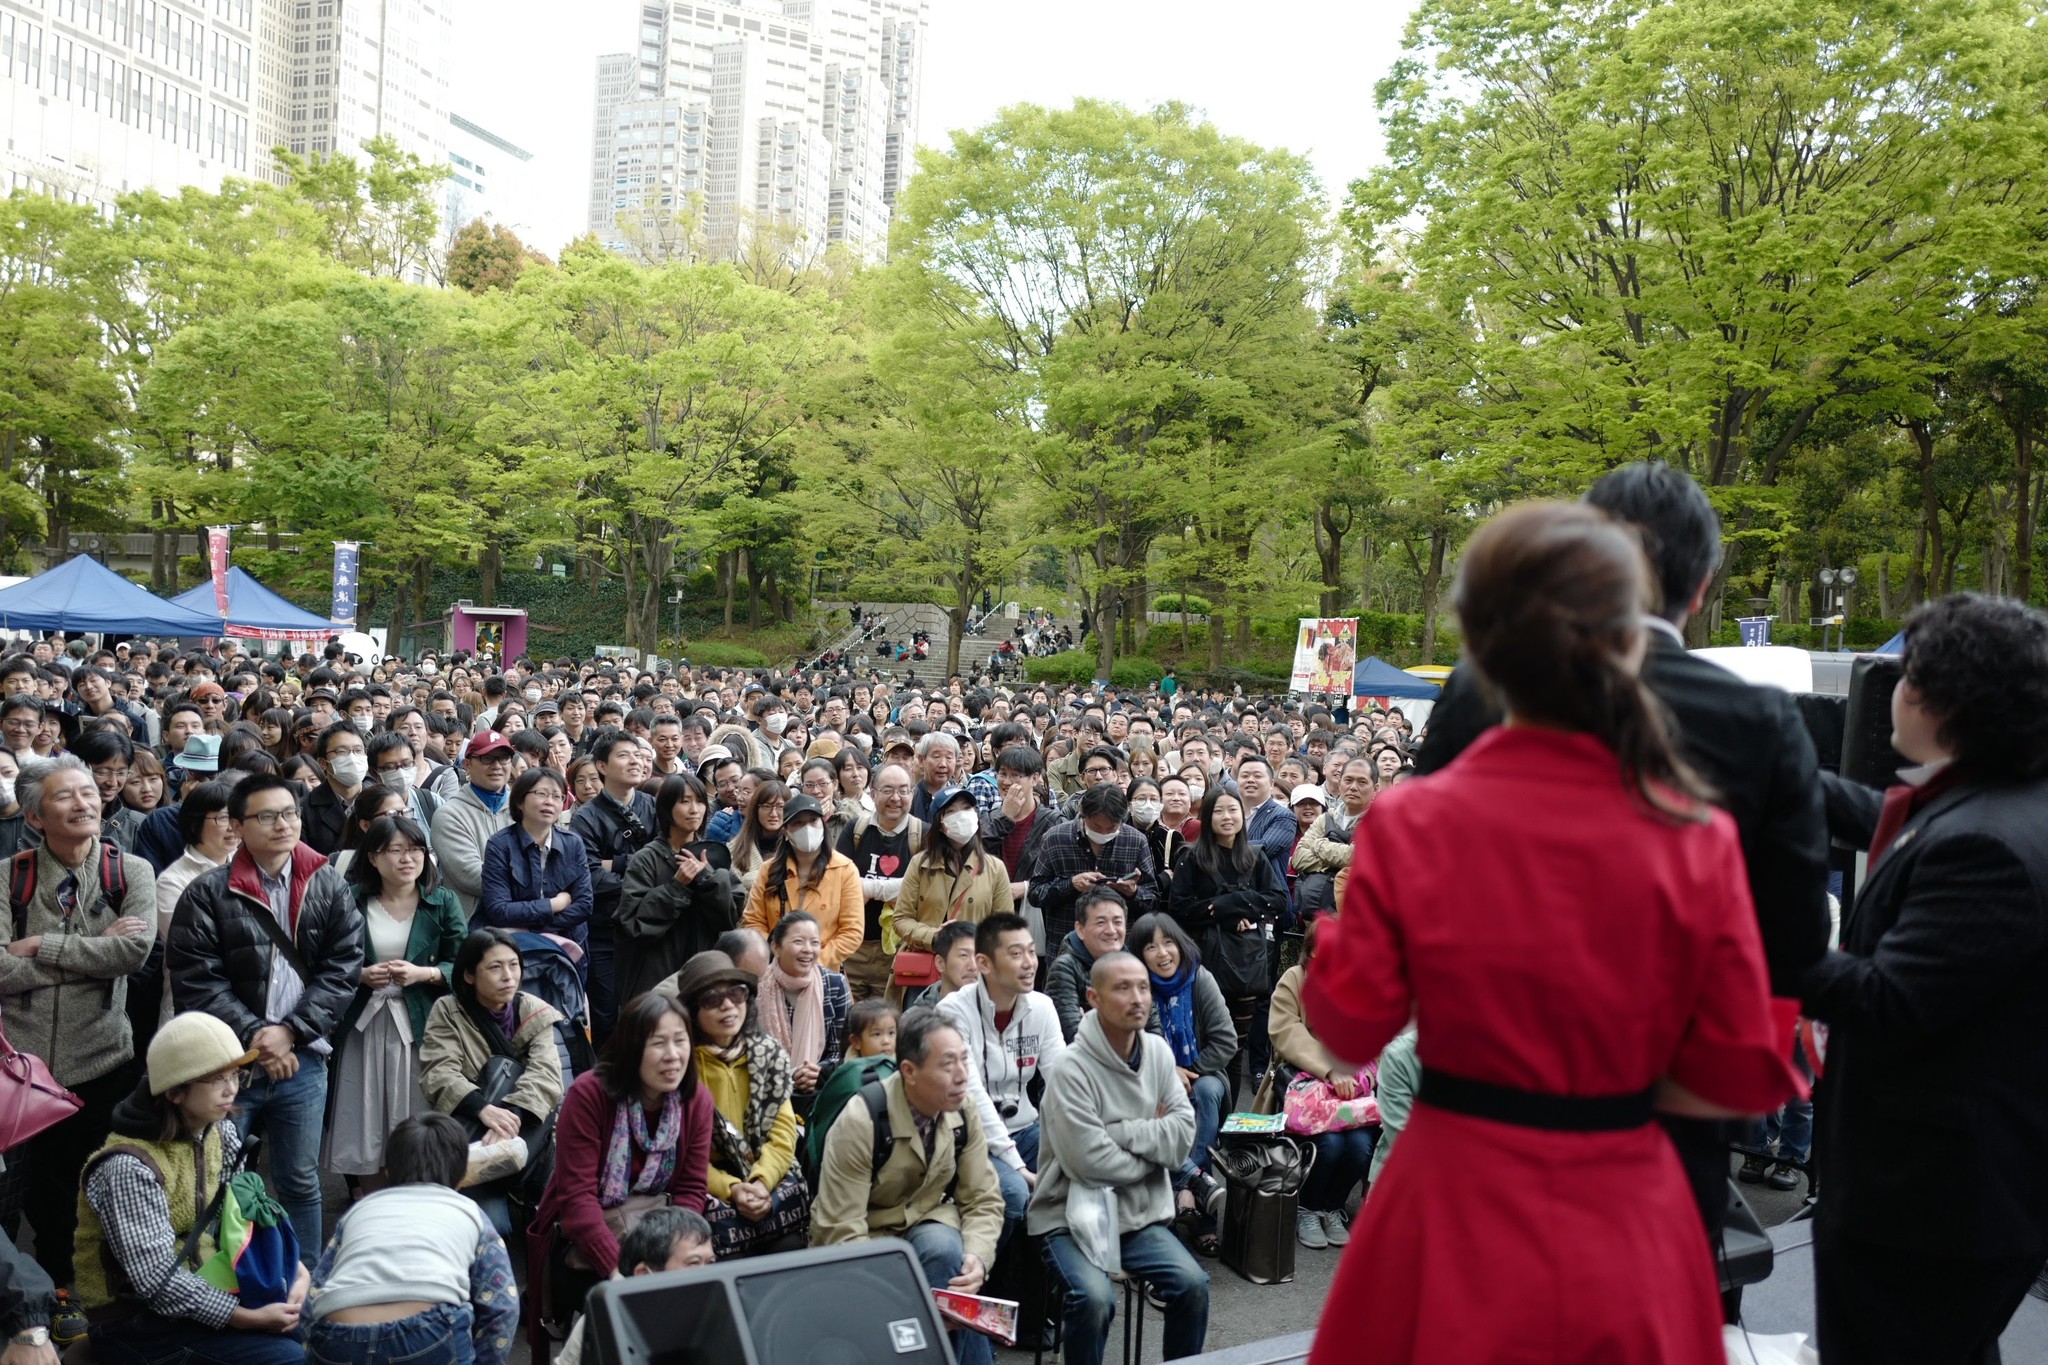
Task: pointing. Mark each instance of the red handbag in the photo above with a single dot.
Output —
(30, 1098)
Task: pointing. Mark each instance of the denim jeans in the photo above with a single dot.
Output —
(1789, 1129)
(1342, 1160)
(1152, 1254)
(604, 1003)
(150, 1340)
(1016, 1190)
(439, 1336)
(940, 1251)
(1208, 1098)
(289, 1113)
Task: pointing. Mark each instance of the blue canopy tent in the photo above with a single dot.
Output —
(1895, 646)
(1375, 677)
(255, 612)
(83, 594)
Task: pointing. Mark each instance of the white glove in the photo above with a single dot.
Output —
(881, 888)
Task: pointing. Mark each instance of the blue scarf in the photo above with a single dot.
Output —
(1175, 996)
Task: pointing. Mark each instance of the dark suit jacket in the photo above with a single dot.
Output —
(1750, 745)
(1937, 1008)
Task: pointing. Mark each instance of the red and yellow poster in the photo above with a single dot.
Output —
(1325, 651)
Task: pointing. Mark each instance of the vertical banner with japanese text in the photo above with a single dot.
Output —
(346, 555)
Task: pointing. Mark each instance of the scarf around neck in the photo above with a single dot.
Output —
(1176, 999)
(630, 1135)
(793, 1012)
(736, 1147)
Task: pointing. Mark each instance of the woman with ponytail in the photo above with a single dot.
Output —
(1567, 920)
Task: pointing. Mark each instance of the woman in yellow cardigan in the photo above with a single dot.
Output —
(758, 1203)
(807, 875)
(951, 877)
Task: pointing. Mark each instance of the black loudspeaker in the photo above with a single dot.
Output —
(1824, 717)
(844, 1305)
(1867, 753)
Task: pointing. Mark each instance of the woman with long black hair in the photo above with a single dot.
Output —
(1228, 898)
(675, 901)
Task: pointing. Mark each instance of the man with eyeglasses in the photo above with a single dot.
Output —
(1101, 766)
(21, 715)
(468, 819)
(271, 944)
(64, 983)
(344, 763)
(880, 847)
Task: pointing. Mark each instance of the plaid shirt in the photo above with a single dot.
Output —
(1273, 828)
(130, 1202)
(1066, 851)
(987, 798)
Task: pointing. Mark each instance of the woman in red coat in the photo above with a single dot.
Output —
(1568, 922)
(637, 1126)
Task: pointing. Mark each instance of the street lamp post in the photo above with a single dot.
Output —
(1835, 585)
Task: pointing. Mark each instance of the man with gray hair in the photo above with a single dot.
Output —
(938, 764)
(86, 912)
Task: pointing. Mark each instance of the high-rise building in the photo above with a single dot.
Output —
(484, 173)
(801, 114)
(361, 69)
(101, 97)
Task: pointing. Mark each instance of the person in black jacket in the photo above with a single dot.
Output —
(613, 825)
(229, 958)
(344, 763)
(1229, 899)
(1746, 741)
(1937, 1006)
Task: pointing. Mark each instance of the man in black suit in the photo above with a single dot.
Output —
(1748, 742)
(1937, 1007)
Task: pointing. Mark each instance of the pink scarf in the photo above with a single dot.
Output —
(793, 1012)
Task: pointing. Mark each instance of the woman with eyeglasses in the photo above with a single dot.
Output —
(371, 803)
(412, 929)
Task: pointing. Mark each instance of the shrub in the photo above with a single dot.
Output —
(1070, 666)
(1135, 673)
(718, 654)
(1197, 605)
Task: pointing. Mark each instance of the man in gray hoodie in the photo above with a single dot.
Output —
(1114, 1126)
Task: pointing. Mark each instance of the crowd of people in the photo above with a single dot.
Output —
(572, 970)
(527, 953)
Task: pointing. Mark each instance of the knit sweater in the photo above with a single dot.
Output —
(1106, 1126)
(68, 1002)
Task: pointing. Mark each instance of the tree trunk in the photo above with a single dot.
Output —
(1928, 558)
(163, 578)
(1218, 601)
(1105, 630)
(2023, 529)
(490, 563)
(956, 621)
(728, 576)
(1884, 585)
(1329, 538)
(1432, 580)
(753, 589)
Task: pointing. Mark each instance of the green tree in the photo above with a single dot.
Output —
(485, 256)
(381, 218)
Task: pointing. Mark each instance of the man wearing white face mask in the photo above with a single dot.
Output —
(771, 718)
(393, 764)
(344, 762)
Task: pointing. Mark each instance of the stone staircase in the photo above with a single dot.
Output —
(906, 618)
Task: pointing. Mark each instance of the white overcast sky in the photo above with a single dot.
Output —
(1298, 75)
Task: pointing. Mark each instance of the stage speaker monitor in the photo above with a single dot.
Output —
(863, 1304)
(1867, 753)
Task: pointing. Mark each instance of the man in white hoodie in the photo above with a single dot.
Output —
(1013, 1036)
(1115, 1124)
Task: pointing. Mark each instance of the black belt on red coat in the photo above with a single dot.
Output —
(1533, 1109)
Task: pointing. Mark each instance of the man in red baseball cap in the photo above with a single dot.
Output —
(466, 821)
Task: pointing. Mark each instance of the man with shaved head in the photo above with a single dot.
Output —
(1116, 1123)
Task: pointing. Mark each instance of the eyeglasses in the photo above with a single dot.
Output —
(395, 768)
(110, 774)
(403, 851)
(219, 815)
(271, 819)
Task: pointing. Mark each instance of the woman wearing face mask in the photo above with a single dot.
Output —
(951, 877)
(806, 875)
(1197, 782)
(1148, 812)
(804, 1007)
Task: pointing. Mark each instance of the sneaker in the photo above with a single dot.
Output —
(1308, 1228)
(1334, 1229)
(1753, 1170)
(1209, 1194)
(1783, 1177)
(67, 1324)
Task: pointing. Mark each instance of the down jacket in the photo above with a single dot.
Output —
(220, 956)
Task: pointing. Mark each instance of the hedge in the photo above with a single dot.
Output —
(719, 654)
(1135, 673)
(1069, 666)
(1197, 605)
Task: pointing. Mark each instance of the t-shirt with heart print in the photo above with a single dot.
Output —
(876, 854)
